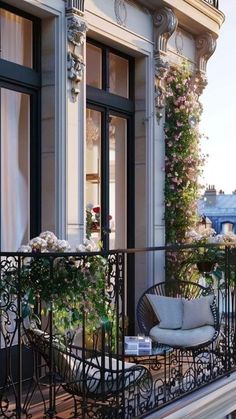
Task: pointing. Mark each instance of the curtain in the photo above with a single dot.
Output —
(16, 41)
(14, 169)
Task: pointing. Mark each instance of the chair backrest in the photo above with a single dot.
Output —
(91, 376)
(172, 288)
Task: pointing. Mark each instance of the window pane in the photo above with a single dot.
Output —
(94, 66)
(16, 38)
(118, 75)
(227, 228)
(117, 182)
(15, 169)
(93, 174)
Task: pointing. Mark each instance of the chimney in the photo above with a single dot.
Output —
(210, 196)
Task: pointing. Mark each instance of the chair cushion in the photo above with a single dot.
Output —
(183, 338)
(168, 310)
(197, 312)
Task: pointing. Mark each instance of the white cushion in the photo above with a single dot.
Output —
(169, 311)
(182, 338)
(197, 312)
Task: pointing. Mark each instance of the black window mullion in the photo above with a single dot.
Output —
(105, 180)
(35, 165)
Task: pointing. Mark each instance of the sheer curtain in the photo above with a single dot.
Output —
(14, 140)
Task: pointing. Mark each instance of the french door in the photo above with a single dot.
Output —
(108, 166)
(109, 148)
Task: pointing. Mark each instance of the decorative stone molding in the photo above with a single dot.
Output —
(76, 35)
(161, 69)
(75, 69)
(75, 6)
(205, 47)
(179, 42)
(120, 12)
(76, 30)
(165, 23)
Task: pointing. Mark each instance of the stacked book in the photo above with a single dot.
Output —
(138, 345)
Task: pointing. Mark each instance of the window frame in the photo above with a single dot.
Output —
(111, 104)
(26, 80)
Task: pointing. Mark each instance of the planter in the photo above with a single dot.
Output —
(206, 266)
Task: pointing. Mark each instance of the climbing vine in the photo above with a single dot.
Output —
(183, 158)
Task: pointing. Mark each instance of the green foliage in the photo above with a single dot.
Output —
(183, 161)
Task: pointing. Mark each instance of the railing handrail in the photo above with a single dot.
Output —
(170, 247)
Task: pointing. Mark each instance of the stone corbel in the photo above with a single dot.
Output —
(76, 35)
(165, 23)
(205, 47)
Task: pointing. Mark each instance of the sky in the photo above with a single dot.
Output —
(219, 107)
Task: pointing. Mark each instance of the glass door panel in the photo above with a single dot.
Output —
(93, 175)
(16, 38)
(117, 182)
(15, 169)
(118, 75)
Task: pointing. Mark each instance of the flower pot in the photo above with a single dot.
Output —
(205, 266)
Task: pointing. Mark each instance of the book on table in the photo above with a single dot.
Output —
(138, 345)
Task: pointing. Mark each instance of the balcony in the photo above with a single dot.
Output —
(63, 327)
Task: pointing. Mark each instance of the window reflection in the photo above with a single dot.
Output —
(94, 66)
(16, 38)
(118, 75)
(117, 182)
(93, 174)
(227, 228)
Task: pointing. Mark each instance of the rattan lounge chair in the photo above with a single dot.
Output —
(90, 375)
(179, 332)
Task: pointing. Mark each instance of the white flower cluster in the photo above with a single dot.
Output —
(209, 236)
(46, 242)
(87, 246)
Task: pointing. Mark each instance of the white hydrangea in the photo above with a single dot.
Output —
(50, 239)
(62, 246)
(25, 248)
(87, 246)
(38, 244)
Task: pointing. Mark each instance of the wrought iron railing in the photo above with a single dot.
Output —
(63, 319)
(214, 3)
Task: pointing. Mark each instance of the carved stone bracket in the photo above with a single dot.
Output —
(165, 23)
(205, 47)
(76, 35)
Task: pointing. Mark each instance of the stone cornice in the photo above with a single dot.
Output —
(195, 16)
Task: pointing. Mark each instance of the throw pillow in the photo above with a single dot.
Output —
(197, 312)
(168, 310)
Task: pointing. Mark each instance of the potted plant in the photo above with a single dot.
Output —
(72, 288)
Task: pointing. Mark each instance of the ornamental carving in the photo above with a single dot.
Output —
(76, 34)
(76, 30)
(205, 47)
(120, 12)
(165, 23)
(179, 42)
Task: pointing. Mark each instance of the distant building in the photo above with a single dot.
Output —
(220, 208)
